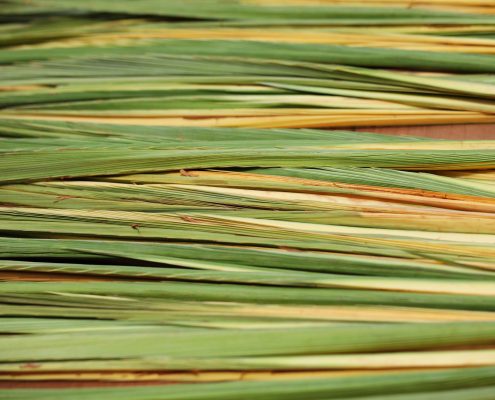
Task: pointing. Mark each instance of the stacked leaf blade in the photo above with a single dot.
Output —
(261, 64)
(133, 253)
(164, 227)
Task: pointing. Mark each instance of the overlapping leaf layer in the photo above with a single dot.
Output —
(161, 221)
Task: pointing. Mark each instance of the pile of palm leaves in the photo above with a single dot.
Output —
(163, 228)
(249, 63)
(343, 261)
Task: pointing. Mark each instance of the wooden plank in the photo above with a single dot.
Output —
(459, 132)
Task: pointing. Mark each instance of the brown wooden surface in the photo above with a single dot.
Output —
(459, 132)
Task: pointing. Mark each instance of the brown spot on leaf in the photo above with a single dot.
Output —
(183, 172)
(30, 366)
(288, 248)
(188, 219)
(65, 197)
